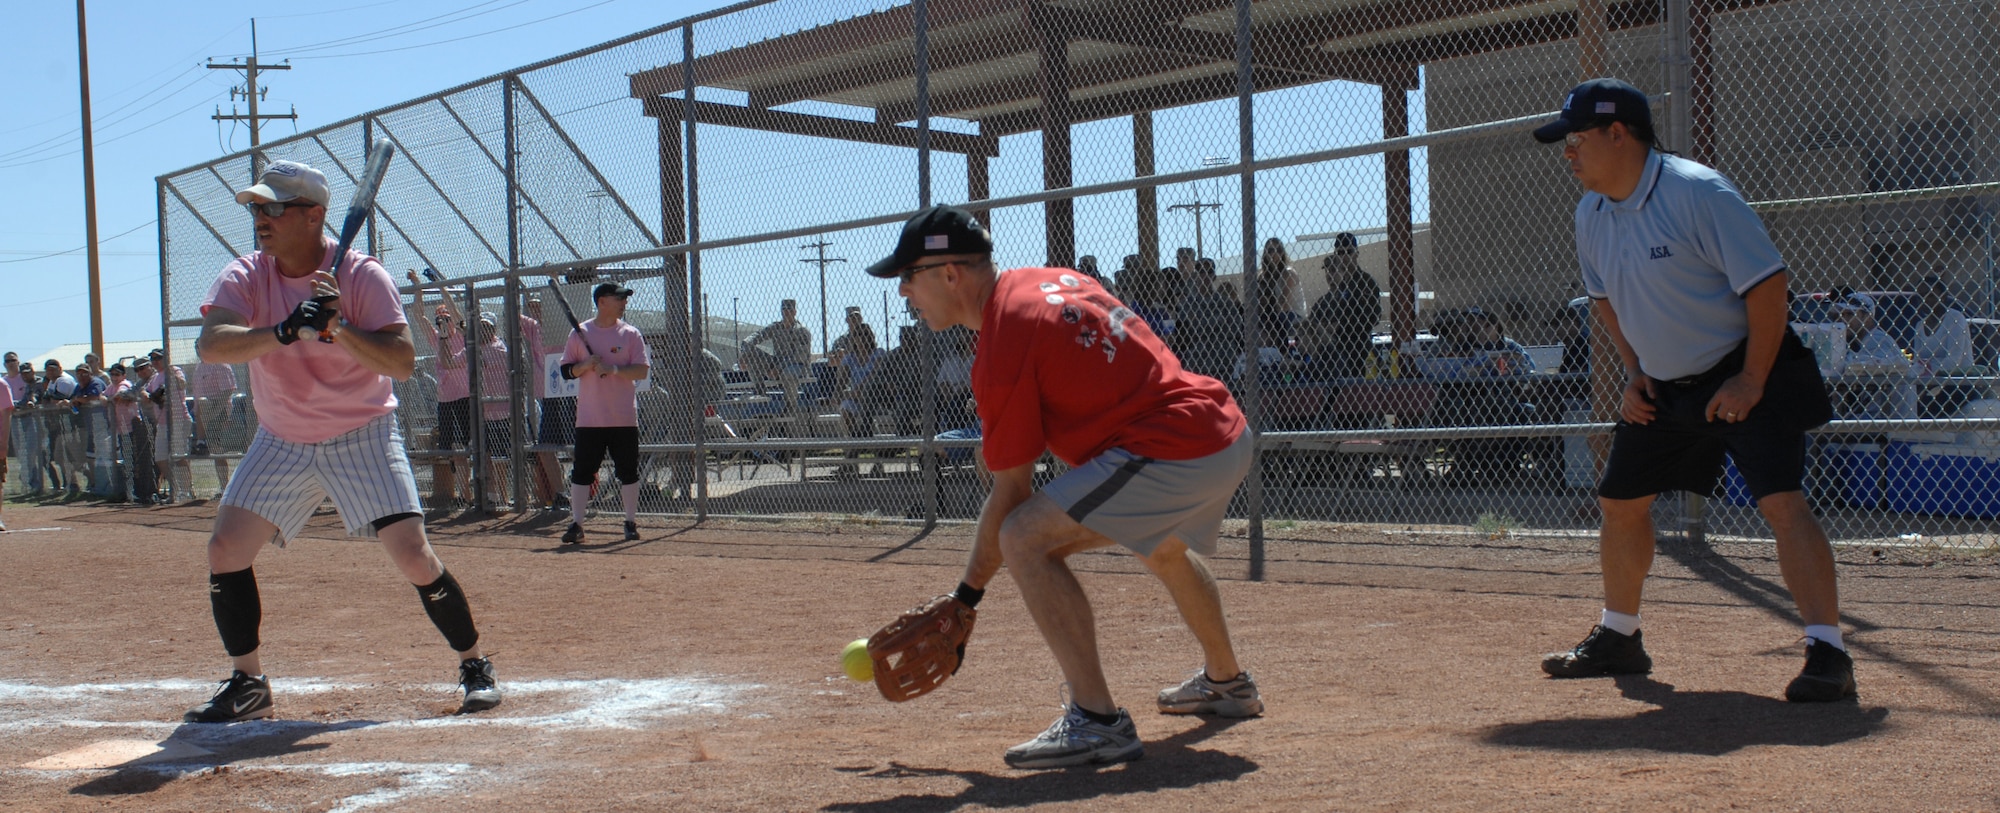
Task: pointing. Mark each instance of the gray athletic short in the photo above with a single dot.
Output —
(366, 472)
(1139, 502)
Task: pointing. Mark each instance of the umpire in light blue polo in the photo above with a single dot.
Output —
(1691, 290)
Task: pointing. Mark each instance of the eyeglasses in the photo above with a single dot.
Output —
(1575, 139)
(274, 209)
(911, 272)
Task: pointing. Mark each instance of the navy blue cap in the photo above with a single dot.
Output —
(939, 230)
(1594, 104)
(605, 289)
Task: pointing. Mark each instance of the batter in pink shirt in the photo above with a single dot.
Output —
(605, 357)
(323, 332)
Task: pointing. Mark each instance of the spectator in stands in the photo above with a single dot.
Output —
(710, 389)
(1088, 265)
(145, 422)
(495, 404)
(65, 438)
(214, 397)
(124, 398)
(1872, 352)
(859, 334)
(1941, 339)
(1338, 334)
(954, 379)
(892, 385)
(1206, 334)
(445, 331)
(1277, 284)
(790, 354)
(24, 429)
(167, 389)
(857, 361)
(94, 419)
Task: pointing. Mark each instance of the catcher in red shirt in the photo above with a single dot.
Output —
(1062, 366)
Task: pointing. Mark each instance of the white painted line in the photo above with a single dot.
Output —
(118, 753)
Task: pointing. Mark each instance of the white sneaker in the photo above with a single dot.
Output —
(1199, 695)
(1077, 740)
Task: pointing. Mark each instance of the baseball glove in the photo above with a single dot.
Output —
(916, 652)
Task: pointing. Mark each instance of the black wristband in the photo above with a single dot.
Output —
(569, 372)
(968, 595)
(279, 331)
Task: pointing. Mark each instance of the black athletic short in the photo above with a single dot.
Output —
(454, 428)
(592, 442)
(558, 422)
(1682, 451)
(499, 437)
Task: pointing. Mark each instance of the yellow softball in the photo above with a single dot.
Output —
(855, 662)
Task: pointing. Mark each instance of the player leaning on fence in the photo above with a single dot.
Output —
(1692, 291)
(326, 428)
(1157, 452)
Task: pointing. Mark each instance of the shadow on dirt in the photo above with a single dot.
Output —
(258, 739)
(1709, 723)
(1169, 764)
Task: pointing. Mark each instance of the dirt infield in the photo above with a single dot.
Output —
(698, 670)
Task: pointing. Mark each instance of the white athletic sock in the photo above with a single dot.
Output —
(1619, 622)
(1828, 633)
(629, 494)
(579, 497)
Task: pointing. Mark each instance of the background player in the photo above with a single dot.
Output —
(327, 428)
(1692, 291)
(607, 405)
(1157, 451)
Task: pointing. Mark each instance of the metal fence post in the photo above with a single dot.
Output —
(692, 258)
(517, 402)
(1253, 485)
(928, 474)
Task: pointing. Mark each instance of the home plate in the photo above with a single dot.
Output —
(117, 753)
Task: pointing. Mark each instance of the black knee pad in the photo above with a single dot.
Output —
(445, 603)
(233, 597)
(393, 519)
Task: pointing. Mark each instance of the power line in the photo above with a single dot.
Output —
(403, 28)
(148, 78)
(252, 93)
(169, 117)
(80, 248)
(466, 37)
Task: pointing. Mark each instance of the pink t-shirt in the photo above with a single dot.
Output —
(17, 386)
(214, 380)
(453, 383)
(122, 411)
(531, 335)
(606, 400)
(7, 393)
(309, 392)
(174, 395)
(493, 381)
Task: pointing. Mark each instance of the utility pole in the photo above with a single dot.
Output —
(1198, 207)
(252, 92)
(823, 261)
(89, 189)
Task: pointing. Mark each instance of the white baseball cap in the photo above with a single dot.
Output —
(284, 181)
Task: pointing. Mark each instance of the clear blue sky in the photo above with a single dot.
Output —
(152, 106)
(152, 101)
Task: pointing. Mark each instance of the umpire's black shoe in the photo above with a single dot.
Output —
(476, 675)
(242, 697)
(631, 531)
(573, 536)
(1828, 676)
(1603, 652)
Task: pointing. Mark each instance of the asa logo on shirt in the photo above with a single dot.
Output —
(1659, 252)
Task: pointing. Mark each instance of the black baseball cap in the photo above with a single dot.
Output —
(609, 289)
(937, 231)
(1594, 104)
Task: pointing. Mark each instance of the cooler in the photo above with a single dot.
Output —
(1943, 478)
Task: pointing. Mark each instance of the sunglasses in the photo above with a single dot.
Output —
(274, 209)
(911, 272)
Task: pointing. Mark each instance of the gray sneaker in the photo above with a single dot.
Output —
(1077, 740)
(1199, 695)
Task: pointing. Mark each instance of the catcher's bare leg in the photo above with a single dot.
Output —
(1036, 540)
(1193, 587)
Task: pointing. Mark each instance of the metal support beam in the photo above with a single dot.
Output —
(895, 70)
(379, 209)
(1253, 282)
(1059, 216)
(779, 121)
(169, 185)
(605, 185)
(411, 159)
(526, 199)
(682, 280)
(1271, 53)
(1401, 237)
(517, 385)
(1147, 206)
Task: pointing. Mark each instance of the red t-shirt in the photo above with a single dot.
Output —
(1063, 365)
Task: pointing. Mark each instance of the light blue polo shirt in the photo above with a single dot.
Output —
(1674, 259)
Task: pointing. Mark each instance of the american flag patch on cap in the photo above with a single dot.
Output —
(1607, 107)
(936, 242)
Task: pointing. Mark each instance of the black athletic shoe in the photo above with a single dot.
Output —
(1828, 676)
(631, 531)
(242, 697)
(1603, 652)
(476, 675)
(573, 536)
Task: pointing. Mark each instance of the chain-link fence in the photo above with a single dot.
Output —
(1334, 207)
